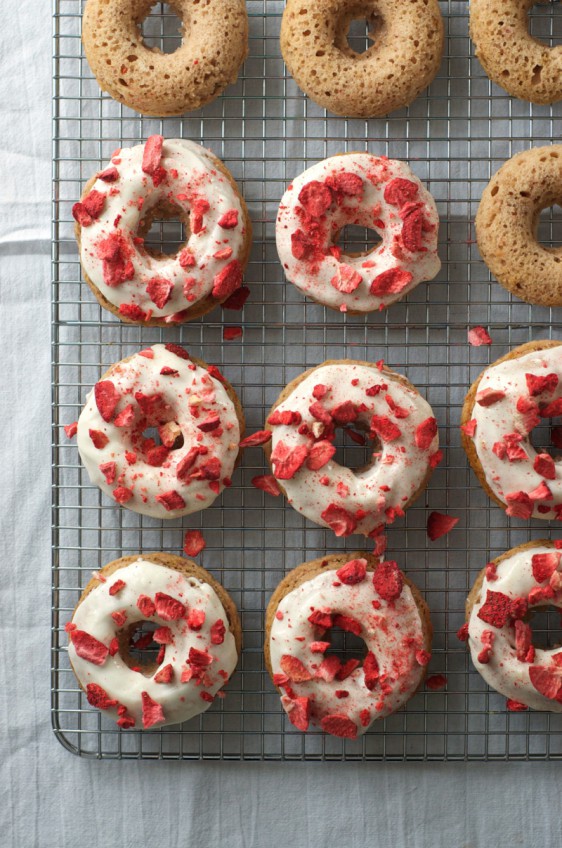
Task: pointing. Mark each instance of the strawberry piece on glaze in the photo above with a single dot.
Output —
(339, 725)
(152, 712)
(388, 580)
(342, 522)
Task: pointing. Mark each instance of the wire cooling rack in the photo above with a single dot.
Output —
(455, 136)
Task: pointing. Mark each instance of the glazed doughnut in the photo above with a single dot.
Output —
(379, 405)
(369, 599)
(171, 178)
(214, 46)
(522, 65)
(507, 222)
(500, 634)
(370, 191)
(401, 63)
(504, 405)
(198, 630)
(199, 422)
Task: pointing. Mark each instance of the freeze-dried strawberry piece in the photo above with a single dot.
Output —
(81, 215)
(229, 334)
(116, 587)
(298, 712)
(168, 608)
(321, 619)
(347, 623)
(122, 494)
(538, 385)
(146, 605)
(487, 640)
(227, 280)
(439, 524)
(159, 291)
(133, 311)
(352, 572)
(186, 258)
(496, 609)
(267, 483)
(126, 720)
(529, 412)
(425, 433)
(115, 253)
(210, 423)
(195, 619)
(544, 465)
(286, 461)
(547, 680)
(110, 175)
(524, 649)
(171, 500)
(488, 397)
(388, 580)
(400, 191)
(541, 493)
(162, 636)
(320, 454)
(462, 633)
(346, 183)
(152, 405)
(98, 697)
(347, 279)
(152, 712)
(185, 465)
(342, 522)
(193, 543)
(316, 198)
(152, 154)
(397, 411)
(339, 725)
(157, 456)
(93, 203)
(143, 642)
(435, 682)
(347, 669)
(71, 429)
(552, 409)
(109, 471)
(198, 209)
(344, 413)
(392, 281)
(301, 247)
(328, 669)
(318, 647)
(229, 220)
(320, 413)
(88, 647)
(99, 439)
(125, 417)
(423, 657)
(218, 630)
(210, 469)
(258, 438)
(384, 428)
(371, 671)
(223, 253)
(544, 565)
(365, 718)
(180, 351)
(294, 669)
(119, 617)
(478, 336)
(165, 675)
(412, 229)
(286, 417)
(515, 706)
(519, 504)
(237, 299)
(469, 428)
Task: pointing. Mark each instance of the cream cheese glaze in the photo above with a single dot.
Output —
(191, 181)
(154, 388)
(507, 666)
(380, 194)
(178, 701)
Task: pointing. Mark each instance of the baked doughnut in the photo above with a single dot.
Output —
(522, 65)
(499, 629)
(359, 595)
(198, 630)
(503, 407)
(507, 224)
(188, 405)
(401, 63)
(370, 191)
(374, 401)
(214, 46)
(171, 178)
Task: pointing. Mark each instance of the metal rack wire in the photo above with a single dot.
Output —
(454, 136)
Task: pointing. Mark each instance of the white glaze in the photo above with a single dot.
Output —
(375, 172)
(180, 701)
(494, 422)
(193, 392)
(401, 465)
(504, 672)
(393, 633)
(197, 177)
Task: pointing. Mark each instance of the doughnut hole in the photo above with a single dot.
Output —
(350, 453)
(545, 24)
(134, 651)
(345, 646)
(357, 29)
(357, 241)
(152, 437)
(546, 437)
(165, 230)
(162, 28)
(546, 624)
(549, 230)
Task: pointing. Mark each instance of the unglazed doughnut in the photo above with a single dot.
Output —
(378, 403)
(500, 634)
(401, 63)
(171, 178)
(214, 45)
(370, 599)
(521, 64)
(199, 421)
(197, 627)
(370, 191)
(503, 406)
(507, 224)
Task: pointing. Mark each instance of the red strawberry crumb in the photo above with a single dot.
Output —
(346, 669)
(125, 417)
(515, 706)
(345, 183)
(321, 619)
(371, 671)
(218, 630)
(328, 669)
(339, 725)
(439, 524)
(319, 647)
(294, 669)
(110, 175)
(399, 191)
(544, 465)
(267, 483)
(384, 428)
(547, 680)
(227, 280)
(195, 619)
(88, 647)
(157, 456)
(116, 587)
(122, 494)
(109, 471)
(541, 493)
(320, 454)
(71, 429)
(171, 500)
(162, 636)
(316, 198)
(525, 651)
(99, 439)
(462, 633)
(478, 336)
(229, 220)
(539, 384)
(388, 580)
(435, 682)
(469, 428)
(119, 617)
(168, 608)
(365, 718)
(347, 623)
(98, 697)
(412, 229)
(425, 433)
(423, 657)
(488, 397)
(519, 505)
(298, 712)
(347, 279)
(231, 333)
(286, 461)
(152, 154)
(352, 572)
(261, 437)
(113, 646)
(491, 571)
(210, 423)
(178, 350)
(344, 413)
(544, 565)
(186, 463)
(339, 520)
(237, 299)
(435, 459)
(193, 543)
(159, 291)
(485, 654)
(392, 281)
(152, 712)
(496, 609)
(165, 675)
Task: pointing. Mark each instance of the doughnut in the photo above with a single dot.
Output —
(197, 627)
(507, 223)
(524, 66)
(402, 61)
(171, 178)
(214, 46)
(380, 194)
(194, 422)
(503, 407)
(499, 626)
(378, 405)
(372, 600)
